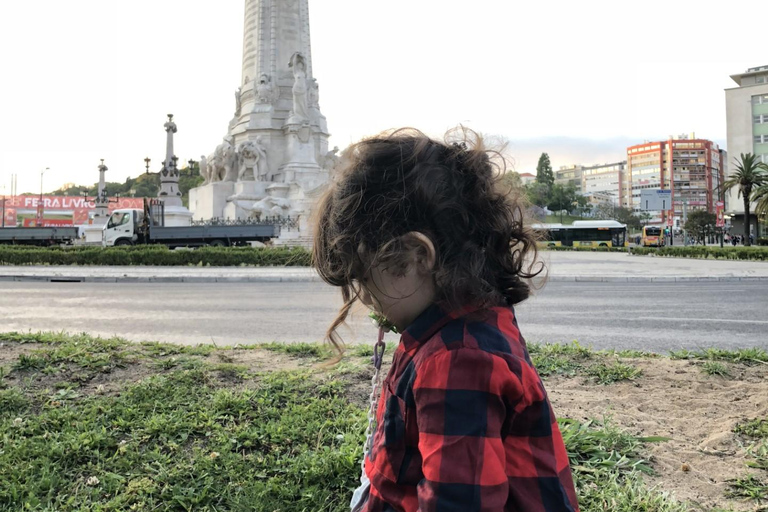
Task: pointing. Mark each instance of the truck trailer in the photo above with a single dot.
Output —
(38, 236)
(132, 226)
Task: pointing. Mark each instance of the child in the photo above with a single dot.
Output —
(421, 232)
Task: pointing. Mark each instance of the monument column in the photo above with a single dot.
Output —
(175, 213)
(102, 201)
(169, 175)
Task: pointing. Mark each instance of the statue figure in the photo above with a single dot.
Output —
(270, 206)
(299, 65)
(330, 161)
(314, 94)
(238, 101)
(253, 158)
(224, 159)
(265, 92)
(204, 170)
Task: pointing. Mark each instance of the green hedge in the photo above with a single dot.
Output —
(696, 251)
(155, 256)
(762, 241)
(585, 249)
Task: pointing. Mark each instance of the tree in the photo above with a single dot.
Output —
(701, 223)
(628, 217)
(760, 197)
(537, 193)
(511, 180)
(561, 198)
(749, 174)
(544, 173)
(604, 211)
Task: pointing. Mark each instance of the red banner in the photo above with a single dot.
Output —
(57, 210)
(720, 211)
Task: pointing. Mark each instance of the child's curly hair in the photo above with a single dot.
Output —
(402, 181)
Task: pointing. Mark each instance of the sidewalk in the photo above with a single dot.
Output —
(561, 266)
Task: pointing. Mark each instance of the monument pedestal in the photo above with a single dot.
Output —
(177, 216)
(208, 201)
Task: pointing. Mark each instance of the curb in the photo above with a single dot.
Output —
(316, 279)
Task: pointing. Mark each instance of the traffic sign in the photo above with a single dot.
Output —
(655, 199)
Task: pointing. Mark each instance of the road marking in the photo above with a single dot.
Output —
(694, 319)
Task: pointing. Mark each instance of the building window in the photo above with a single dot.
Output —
(756, 119)
(760, 79)
(758, 139)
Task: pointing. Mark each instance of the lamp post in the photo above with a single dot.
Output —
(40, 210)
(146, 164)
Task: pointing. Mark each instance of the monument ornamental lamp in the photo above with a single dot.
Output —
(40, 209)
(146, 164)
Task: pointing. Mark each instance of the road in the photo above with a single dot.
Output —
(649, 316)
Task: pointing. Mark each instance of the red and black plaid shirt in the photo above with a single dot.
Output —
(464, 423)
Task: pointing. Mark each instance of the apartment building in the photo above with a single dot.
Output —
(570, 175)
(603, 183)
(746, 111)
(691, 168)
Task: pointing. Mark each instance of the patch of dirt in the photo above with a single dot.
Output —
(9, 352)
(258, 360)
(674, 398)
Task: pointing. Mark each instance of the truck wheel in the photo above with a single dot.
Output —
(123, 242)
(218, 243)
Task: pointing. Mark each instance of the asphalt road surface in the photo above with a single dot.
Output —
(649, 316)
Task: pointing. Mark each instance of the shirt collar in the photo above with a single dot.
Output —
(431, 320)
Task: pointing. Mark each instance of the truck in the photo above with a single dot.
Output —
(131, 226)
(39, 236)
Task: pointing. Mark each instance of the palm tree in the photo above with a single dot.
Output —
(760, 197)
(750, 174)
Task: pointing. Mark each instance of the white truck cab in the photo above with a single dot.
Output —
(121, 227)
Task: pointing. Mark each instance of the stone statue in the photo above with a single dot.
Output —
(330, 161)
(253, 158)
(270, 206)
(265, 92)
(238, 101)
(314, 94)
(224, 160)
(204, 170)
(299, 65)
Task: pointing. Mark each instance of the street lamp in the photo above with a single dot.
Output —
(40, 211)
(146, 162)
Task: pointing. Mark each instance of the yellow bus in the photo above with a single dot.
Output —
(583, 233)
(653, 236)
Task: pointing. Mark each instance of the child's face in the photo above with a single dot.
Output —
(399, 296)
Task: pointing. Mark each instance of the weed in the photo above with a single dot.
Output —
(744, 355)
(757, 428)
(317, 350)
(715, 368)
(12, 402)
(749, 487)
(27, 363)
(609, 373)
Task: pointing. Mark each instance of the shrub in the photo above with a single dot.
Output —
(699, 251)
(154, 256)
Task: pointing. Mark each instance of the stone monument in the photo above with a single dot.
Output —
(95, 225)
(175, 213)
(271, 162)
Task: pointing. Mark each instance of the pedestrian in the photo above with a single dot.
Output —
(423, 233)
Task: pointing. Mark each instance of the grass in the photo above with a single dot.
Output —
(715, 368)
(92, 424)
(757, 428)
(604, 373)
(753, 355)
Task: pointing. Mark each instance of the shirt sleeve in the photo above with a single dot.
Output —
(485, 436)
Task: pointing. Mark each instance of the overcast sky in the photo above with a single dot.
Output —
(90, 79)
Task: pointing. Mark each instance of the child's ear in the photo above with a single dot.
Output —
(422, 251)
